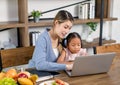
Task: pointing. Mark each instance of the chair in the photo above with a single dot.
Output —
(15, 56)
(109, 48)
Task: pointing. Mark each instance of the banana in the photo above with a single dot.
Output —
(33, 77)
(25, 81)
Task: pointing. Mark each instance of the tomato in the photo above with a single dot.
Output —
(60, 82)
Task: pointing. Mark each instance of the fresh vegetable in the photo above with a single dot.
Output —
(59, 82)
(54, 83)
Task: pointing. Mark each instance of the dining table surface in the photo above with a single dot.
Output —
(112, 77)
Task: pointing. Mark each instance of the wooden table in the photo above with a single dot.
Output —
(110, 78)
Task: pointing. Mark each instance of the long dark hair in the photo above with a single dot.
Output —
(70, 36)
(63, 16)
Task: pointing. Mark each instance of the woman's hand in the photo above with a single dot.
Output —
(69, 66)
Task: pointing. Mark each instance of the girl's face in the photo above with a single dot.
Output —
(74, 45)
(62, 29)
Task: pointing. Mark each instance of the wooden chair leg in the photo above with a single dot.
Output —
(0, 64)
(94, 50)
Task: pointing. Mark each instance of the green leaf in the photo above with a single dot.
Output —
(36, 13)
(92, 25)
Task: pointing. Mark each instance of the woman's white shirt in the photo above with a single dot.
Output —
(56, 52)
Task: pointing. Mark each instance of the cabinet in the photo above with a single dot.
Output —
(23, 24)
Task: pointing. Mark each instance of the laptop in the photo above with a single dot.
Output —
(92, 64)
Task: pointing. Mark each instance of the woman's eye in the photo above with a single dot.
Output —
(65, 27)
(70, 28)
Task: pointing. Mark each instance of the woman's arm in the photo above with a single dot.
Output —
(43, 56)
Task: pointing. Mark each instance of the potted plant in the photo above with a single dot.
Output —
(93, 27)
(36, 15)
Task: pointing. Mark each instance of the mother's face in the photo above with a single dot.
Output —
(62, 29)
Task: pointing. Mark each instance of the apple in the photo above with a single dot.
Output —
(22, 75)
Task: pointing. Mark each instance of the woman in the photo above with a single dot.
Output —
(48, 45)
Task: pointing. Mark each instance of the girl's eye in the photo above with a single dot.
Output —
(73, 45)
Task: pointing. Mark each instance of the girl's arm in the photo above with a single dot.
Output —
(83, 52)
(61, 58)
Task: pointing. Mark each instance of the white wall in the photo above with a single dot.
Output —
(9, 12)
(8, 37)
(115, 26)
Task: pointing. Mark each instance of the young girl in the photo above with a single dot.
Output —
(73, 48)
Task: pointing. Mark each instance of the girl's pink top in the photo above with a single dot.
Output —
(71, 57)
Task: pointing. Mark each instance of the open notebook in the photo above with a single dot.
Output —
(92, 64)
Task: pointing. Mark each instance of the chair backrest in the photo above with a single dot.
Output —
(16, 56)
(108, 48)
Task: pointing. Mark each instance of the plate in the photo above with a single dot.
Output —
(49, 82)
